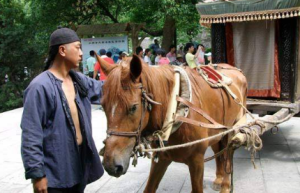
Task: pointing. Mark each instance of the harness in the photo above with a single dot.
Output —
(146, 104)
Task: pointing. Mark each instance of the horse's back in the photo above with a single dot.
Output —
(213, 100)
(235, 74)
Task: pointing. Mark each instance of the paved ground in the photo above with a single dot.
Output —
(278, 164)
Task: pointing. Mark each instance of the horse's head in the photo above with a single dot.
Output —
(127, 113)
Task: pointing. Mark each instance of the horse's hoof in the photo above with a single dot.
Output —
(216, 187)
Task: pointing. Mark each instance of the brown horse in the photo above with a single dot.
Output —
(122, 103)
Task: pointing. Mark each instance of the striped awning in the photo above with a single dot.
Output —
(247, 10)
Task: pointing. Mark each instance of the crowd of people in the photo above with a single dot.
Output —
(189, 54)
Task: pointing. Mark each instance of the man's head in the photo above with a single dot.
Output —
(92, 53)
(139, 51)
(109, 54)
(65, 46)
(102, 52)
(172, 48)
(156, 41)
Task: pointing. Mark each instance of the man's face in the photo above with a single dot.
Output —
(73, 53)
(141, 53)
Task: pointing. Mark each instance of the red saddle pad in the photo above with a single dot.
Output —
(211, 73)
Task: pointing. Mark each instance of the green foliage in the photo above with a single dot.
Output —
(11, 96)
(20, 47)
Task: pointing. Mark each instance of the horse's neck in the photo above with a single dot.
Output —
(161, 92)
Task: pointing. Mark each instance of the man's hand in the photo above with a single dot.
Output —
(40, 185)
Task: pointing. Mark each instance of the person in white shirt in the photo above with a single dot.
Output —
(147, 57)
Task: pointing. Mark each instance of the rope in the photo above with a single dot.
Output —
(254, 143)
(237, 101)
(222, 134)
(216, 155)
(251, 141)
(158, 135)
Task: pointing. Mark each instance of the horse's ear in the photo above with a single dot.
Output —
(105, 66)
(135, 67)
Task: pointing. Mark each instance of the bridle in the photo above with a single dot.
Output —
(146, 104)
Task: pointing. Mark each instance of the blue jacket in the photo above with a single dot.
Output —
(49, 146)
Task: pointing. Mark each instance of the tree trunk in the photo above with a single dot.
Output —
(135, 36)
(168, 33)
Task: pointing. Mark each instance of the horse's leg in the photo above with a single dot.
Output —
(226, 184)
(219, 167)
(156, 173)
(196, 168)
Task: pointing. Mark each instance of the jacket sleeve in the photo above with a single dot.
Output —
(36, 105)
(94, 89)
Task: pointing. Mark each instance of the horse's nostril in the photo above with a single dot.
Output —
(119, 169)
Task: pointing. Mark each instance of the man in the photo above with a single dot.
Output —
(139, 52)
(90, 62)
(189, 57)
(172, 53)
(109, 54)
(57, 148)
(179, 60)
(155, 46)
(97, 68)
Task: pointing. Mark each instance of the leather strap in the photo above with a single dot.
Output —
(198, 110)
(199, 123)
(214, 125)
(125, 134)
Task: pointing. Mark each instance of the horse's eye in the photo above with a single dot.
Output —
(132, 109)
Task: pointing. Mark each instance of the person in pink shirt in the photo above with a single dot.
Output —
(172, 53)
(163, 60)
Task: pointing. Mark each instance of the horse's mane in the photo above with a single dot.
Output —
(157, 81)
